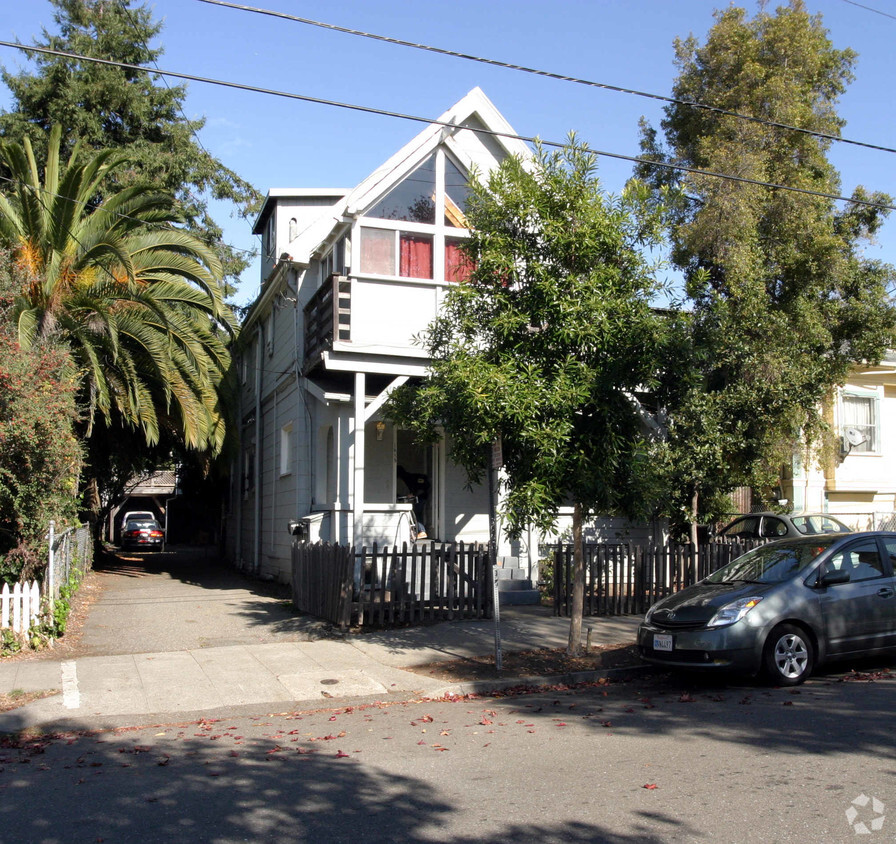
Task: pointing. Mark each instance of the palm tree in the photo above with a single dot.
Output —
(138, 301)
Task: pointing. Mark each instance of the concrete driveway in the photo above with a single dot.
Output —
(185, 598)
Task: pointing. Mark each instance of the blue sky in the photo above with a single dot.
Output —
(274, 142)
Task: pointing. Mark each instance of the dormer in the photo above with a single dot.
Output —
(286, 214)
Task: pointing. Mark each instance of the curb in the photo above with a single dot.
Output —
(483, 688)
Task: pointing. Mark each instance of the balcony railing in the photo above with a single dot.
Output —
(327, 318)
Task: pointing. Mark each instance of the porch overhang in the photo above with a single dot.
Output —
(339, 360)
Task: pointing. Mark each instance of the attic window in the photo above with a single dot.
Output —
(456, 194)
(412, 200)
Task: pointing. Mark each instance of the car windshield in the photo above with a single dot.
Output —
(142, 524)
(773, 563)
(818, 524)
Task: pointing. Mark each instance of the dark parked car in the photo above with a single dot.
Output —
(143, 534)
(782, 608)
(778, 526)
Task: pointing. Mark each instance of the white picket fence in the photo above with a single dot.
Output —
(19, 606)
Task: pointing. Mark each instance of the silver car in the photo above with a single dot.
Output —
(782, 609)
(780, 525)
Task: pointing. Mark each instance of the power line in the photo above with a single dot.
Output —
(551, 75)
(128, 13)
(160, 226)
(869, 9)
(241, 86)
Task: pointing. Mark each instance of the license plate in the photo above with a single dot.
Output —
(662, 641)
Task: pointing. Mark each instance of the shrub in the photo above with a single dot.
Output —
(40, 457)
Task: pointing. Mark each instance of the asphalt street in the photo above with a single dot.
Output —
(652, 760)
(659, 758)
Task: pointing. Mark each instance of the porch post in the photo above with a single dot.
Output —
(358, 491)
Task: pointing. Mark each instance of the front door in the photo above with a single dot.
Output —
(415, 476)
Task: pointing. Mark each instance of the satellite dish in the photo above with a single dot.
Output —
(854, 436)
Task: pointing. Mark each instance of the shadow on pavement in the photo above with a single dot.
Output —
(198, 786)
(185, 598)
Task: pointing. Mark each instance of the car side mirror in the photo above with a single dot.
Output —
(830, 578)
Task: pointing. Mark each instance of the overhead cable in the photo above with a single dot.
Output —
(252, 253)
(870, 9)
(241, 86)
(549, 74)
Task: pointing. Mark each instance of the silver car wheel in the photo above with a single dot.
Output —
(791, 655)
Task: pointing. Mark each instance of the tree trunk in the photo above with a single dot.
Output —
(574, 648)
(695, 500)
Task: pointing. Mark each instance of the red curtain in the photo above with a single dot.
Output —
(458, 266)
(415, 260)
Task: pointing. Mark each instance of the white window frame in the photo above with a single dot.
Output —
(859, 393)
(269, 240)
(439, 231)
(286, 449)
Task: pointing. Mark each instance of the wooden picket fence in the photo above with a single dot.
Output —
(70, 556)
(19, 606)
(392, 586)
(622, 579)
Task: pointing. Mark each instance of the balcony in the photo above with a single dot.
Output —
(327, 319)
(377, 320)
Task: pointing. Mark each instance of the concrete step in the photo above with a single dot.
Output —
(511, 574)
(514, 585)
(519, 597)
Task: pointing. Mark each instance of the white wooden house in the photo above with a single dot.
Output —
(857, 484)
(349, 277)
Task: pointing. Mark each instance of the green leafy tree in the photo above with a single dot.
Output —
(545, 347)
(137, 300)
(781, 299)
(110, 107)
(40, 456)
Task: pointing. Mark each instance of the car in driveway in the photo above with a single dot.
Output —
(781, 609)
(144, 535)
(778, 525)
(137, 514)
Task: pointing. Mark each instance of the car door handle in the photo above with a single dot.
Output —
(885, 592)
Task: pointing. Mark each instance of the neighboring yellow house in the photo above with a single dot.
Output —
(859, 484)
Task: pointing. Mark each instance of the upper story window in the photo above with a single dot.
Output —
(456, 194)
(267, 241)
(860, 421)
(417, 229)
(336, 260)
(413, 200)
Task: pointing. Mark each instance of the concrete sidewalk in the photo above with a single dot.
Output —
(113, 689)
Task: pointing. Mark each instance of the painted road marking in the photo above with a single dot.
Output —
(71, 697)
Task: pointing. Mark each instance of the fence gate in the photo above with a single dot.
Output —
(391, 586)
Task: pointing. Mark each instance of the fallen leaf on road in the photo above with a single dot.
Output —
(650, 786)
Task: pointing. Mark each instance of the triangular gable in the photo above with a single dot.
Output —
(476, 111)
(470, 148)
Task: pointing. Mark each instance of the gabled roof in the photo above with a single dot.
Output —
(474, 112)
